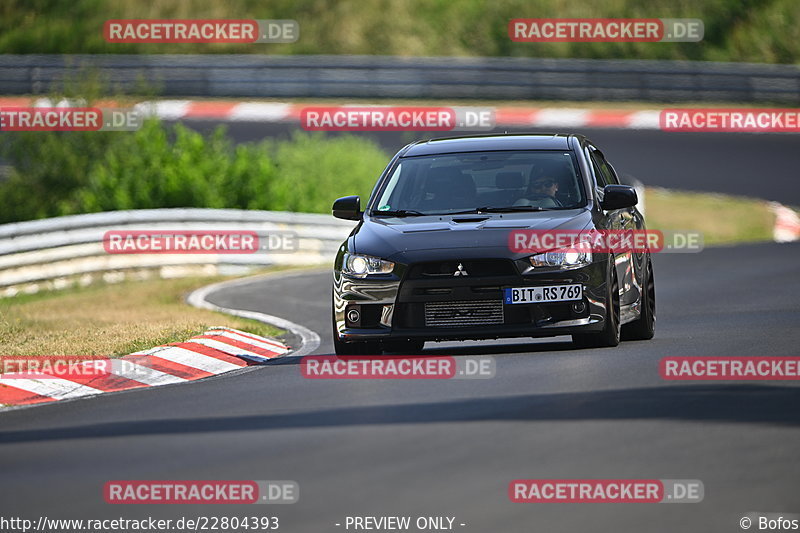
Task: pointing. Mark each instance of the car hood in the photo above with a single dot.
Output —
(423, 238)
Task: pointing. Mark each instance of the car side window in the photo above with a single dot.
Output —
(603, 170)
(598, 174)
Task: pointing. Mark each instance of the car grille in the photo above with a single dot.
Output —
(463, 313)
(472, 268)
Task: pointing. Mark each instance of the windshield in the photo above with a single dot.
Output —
(481, 181)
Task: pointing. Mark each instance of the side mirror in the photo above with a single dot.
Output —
(348, 208)
(618, 197)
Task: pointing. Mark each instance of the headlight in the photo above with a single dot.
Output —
(361, 266)
(564, 258)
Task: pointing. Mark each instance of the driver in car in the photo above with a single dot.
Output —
(541, 192)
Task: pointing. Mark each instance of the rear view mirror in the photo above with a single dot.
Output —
(618, 197)
(348, 208)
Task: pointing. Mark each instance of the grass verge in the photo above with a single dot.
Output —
(722, 219)
(110, 319)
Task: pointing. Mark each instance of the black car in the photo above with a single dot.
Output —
(430, 258)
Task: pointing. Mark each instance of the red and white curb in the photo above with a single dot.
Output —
(504, 116)
(273, 112)
(787, 223)
(308, 339)
(217, 351)
(283, 112)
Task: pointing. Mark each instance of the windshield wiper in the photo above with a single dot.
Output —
(399, 213)
(510, 208)
(505, 209)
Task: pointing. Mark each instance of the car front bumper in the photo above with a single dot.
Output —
(391, 308)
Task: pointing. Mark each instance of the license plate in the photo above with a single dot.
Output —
(535, 295)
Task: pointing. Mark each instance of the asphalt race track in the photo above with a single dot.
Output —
(450, 448)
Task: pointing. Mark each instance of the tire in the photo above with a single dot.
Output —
(644, 328)
(610, 334)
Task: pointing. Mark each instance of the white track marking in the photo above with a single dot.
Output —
(165, 109)
(149, 376)
(561, 117)
(258, 344)
(224, 347)
(259, 112)
(309, 339)
(643, 120)
(56, 388)
(185, 357)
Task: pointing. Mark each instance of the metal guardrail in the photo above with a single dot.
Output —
(60, 252)
(260, 76)
(55, 253)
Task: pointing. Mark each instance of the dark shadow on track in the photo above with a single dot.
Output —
(433, 350)
(489, 348)
(752, 404)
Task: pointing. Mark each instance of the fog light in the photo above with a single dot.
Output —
(353, 316)
(578, 307)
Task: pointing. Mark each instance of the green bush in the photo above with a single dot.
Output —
(47, 168)
(173, 166)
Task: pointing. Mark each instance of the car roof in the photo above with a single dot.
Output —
(493, 142)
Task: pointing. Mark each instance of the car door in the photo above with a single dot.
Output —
(633, 221)
(618, 220)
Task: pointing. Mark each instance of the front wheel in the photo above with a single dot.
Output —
(644, 327)
(610, 334)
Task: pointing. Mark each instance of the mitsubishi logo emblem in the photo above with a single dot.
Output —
(460, 271)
